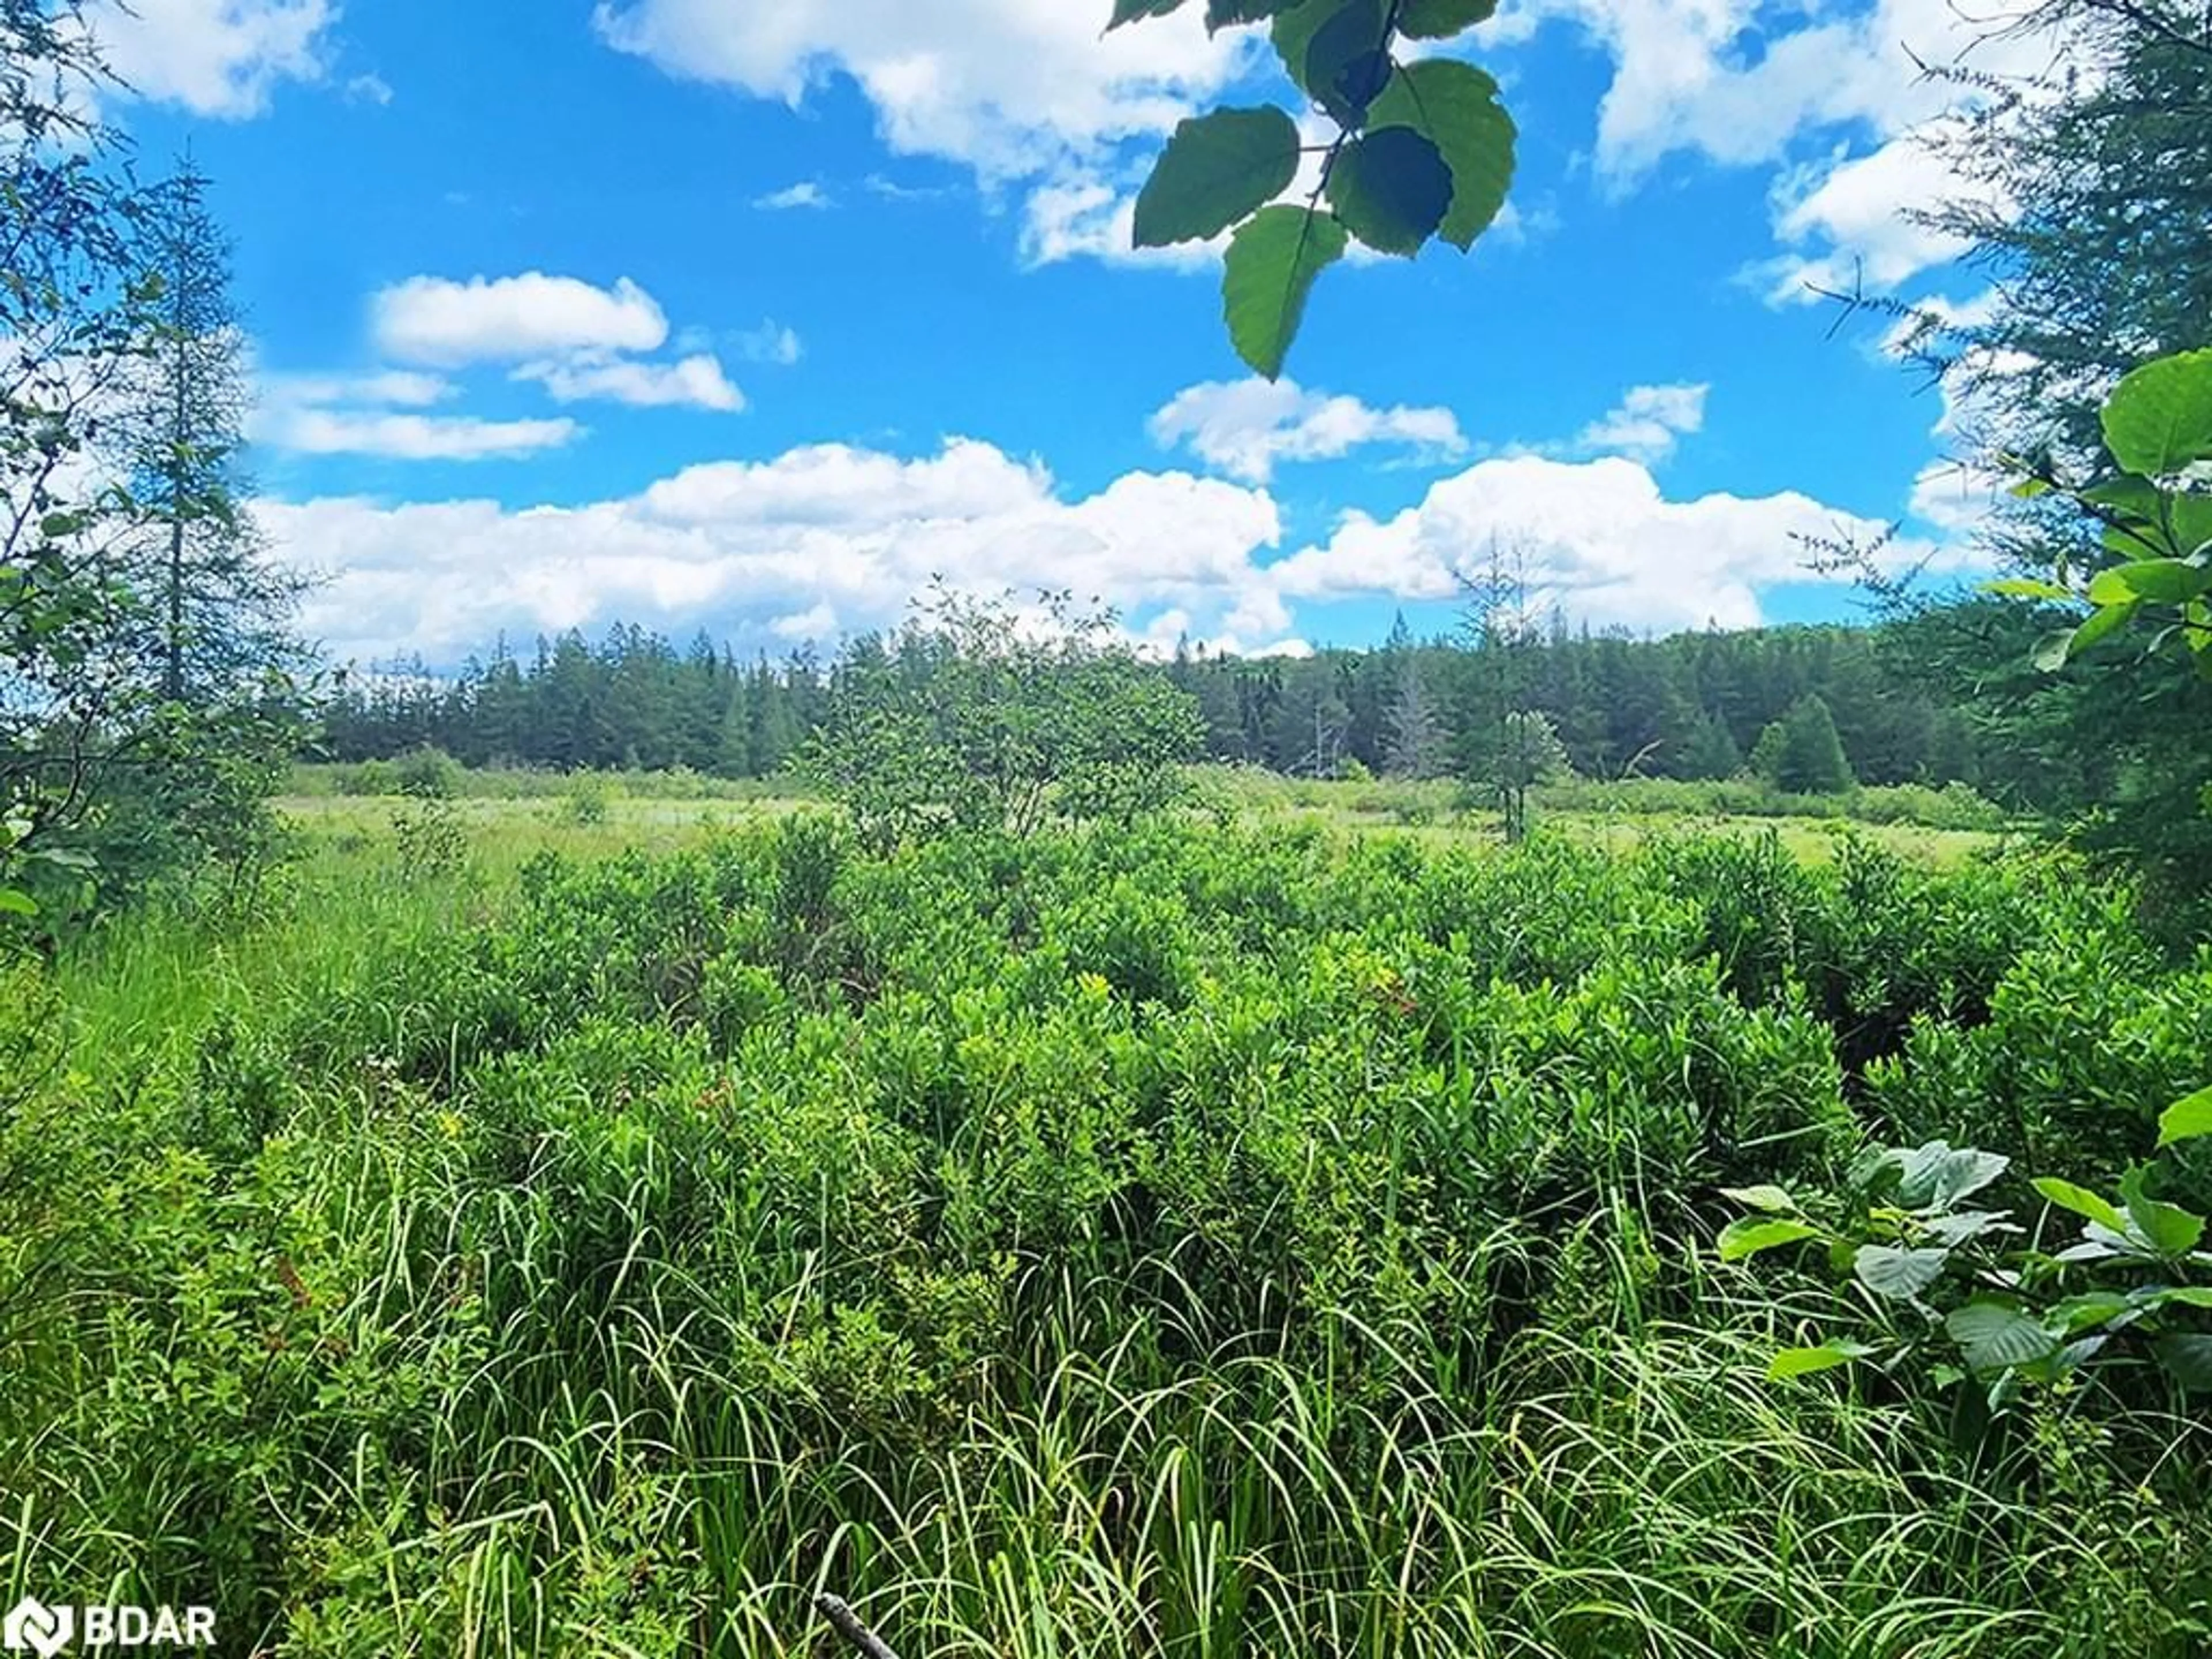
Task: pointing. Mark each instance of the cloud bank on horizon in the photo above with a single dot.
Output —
(485, 420)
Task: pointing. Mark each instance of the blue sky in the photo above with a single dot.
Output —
(753, 316)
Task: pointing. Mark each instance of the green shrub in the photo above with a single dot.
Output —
(427, 774)
(1145, 1238)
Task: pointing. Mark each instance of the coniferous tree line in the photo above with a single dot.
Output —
(1689, 706)
(632, 700)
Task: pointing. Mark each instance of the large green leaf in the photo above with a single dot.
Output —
(2167, 1228)
(1750, 1236)
(2158, 419)
(2078, 1313)
(1216, 169)
(1899, 1274)
(2191, 518)
(1958, 1227)
(1992, 1336)
(2162, 582)
(1268, 271)
(13, 903)
(1347, 60)
(1295, 29)
(1439, 20)
(2083, 1202)
(2188, 1359)
(1454, 105)
(2129, 496)
(1938, 1175)
(2186, 1119)
(1803, 1361)
(1391, 188)
(2102, 624)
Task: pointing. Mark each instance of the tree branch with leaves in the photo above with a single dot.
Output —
(1422, 151)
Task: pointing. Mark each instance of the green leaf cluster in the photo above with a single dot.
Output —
(1423, 151)
(2006, 1309)
(2156, 518)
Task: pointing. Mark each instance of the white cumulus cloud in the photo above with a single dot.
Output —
(1647, 423)
(380, 414)
(1247, 428)
(432, 319)
(693, 382)
(221, 58)
(1848, 221)
(1600, 538)
(1006, 86)
(820, 534)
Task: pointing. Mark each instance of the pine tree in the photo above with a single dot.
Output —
(1800, 753)
(218, 612)
(1711, 751)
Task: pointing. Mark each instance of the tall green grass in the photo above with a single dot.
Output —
(1188, 1242)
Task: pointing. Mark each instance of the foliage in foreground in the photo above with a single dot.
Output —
(1170, 1242)
(147, 696)
(1422, 151)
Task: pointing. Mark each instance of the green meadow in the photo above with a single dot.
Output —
(526, 1227)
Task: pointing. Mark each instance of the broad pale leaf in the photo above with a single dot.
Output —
(1992, 1336)
(1216, 169)
(1953, 1230)
(2191, 518)
(1899, 1274)
(2151, 1298)
(1938, 1175)
(2078, 1313)
(2102, 624)
(2162, 581)
(2024, 587)
(2128, 494)
(1773, 1200)
(2166, 1228)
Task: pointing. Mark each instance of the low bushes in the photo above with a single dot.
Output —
(1170, 1241)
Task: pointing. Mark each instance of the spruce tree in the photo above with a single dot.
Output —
(218, 612)
(1801, 754)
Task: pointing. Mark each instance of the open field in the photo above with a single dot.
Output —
(1222, 1238)
(514, 813)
